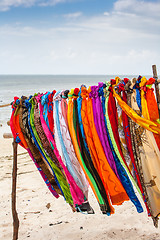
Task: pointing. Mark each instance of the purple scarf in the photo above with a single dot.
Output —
(100, 126)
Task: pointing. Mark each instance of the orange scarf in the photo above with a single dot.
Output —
(111, 183)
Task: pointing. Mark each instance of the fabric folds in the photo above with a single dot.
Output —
(105, 138)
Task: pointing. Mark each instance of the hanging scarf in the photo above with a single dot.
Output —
(43, 138)
(128, 135)
(138, 92)
(152, 106)
(80, 176)
(50, 111)
(64, 106)
(130, 192)
(121, 131)
(45, 103)
(147, 124)
(113, 118)
(14, 128)
(87, 130)
(13, 125)
(100, 125)
(59, 176)
(112, 184)
(136, 142)
(110, 130)
(87, 157)
(78, 153)
(119, 163)
(23, 143)
(147, 155)
(51, 165)
(33, 151)
(53, 145)
(37, 156)
(76, 192)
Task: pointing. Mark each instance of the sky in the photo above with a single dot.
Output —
(79, 36)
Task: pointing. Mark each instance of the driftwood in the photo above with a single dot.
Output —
(14, 181)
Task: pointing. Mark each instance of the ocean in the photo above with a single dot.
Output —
(26, 85)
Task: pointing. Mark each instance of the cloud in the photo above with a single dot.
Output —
(68, 54)
(140, 17)
(138, 7)
(50, 2)
(92, 46)
(6, 5)
(106, 13)
(123, 40)
(73, 15)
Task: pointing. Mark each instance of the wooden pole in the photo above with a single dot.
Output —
(5, 105)
(14, 179)
(156, 86)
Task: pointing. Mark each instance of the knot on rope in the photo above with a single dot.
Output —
(17, 139)
(27, 104)
(93, 92)
(84, 92)
(101, 91)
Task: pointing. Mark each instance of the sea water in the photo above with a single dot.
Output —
(26, 85)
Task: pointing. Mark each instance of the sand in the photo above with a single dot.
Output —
(44, 217)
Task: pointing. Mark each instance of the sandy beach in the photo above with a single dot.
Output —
(44, 217)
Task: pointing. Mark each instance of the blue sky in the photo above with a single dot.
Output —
(35, 13)
(79, 36)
